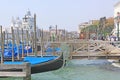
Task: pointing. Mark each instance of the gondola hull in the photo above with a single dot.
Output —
(50, 65)
(47, 66)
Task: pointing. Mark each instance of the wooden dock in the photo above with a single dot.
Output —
(96, 56)
(25, 70)
(13, 70)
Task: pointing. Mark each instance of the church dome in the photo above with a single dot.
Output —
(28, 13)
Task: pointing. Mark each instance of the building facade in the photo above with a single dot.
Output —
(27, 22)
(116, 30)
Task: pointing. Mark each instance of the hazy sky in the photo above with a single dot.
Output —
(67, 14)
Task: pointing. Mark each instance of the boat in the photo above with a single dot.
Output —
(48, 66)
(17, 50)
(40, 64)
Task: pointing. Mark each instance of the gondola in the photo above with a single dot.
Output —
(40, 64)
(48, 66)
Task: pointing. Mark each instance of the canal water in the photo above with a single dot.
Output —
(80, 70)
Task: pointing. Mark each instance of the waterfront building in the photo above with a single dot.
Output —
(116, 30)
(83, 35)
(27, 22)
(57, 34)
(83, 25)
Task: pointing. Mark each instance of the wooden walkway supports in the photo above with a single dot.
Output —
(92, 49)
(95, 49)
(25, 73)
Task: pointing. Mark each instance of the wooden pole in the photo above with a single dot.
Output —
(88, 51)
(2, 42)
(56, 34)
(32, 42)
(27, 69)
(27, 40)
(18, 43)
(41, 42)
(22, 45)
(50, 33)
(65, 36)
(7, 38)
(70, 45)
(35, 38)
(12, 44)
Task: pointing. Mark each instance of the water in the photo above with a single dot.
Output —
(80, 70)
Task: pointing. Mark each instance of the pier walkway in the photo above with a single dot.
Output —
(90, 48)
(95, 49)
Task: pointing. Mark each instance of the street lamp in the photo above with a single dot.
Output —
(118, 20)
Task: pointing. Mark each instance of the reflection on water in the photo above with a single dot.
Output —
(81, 70)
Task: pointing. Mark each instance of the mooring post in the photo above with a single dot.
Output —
(41, 43)
(27, 69)
(27, 40)
(35, 38)
(71, 52)
(88, 44)
(32, 42)
(18, 43)
(22, 45)
(12, 44)
(2, 40)
(7, 37)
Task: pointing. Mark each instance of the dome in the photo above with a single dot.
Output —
(28, 13)
(17, 18)
(12, 20)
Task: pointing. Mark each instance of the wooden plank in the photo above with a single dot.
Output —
(25, 72)
(82, 42)
(95, 56)
(7, 66)
(12, 74)
(98, 55)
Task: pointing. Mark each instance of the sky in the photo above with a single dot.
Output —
(66, 14)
